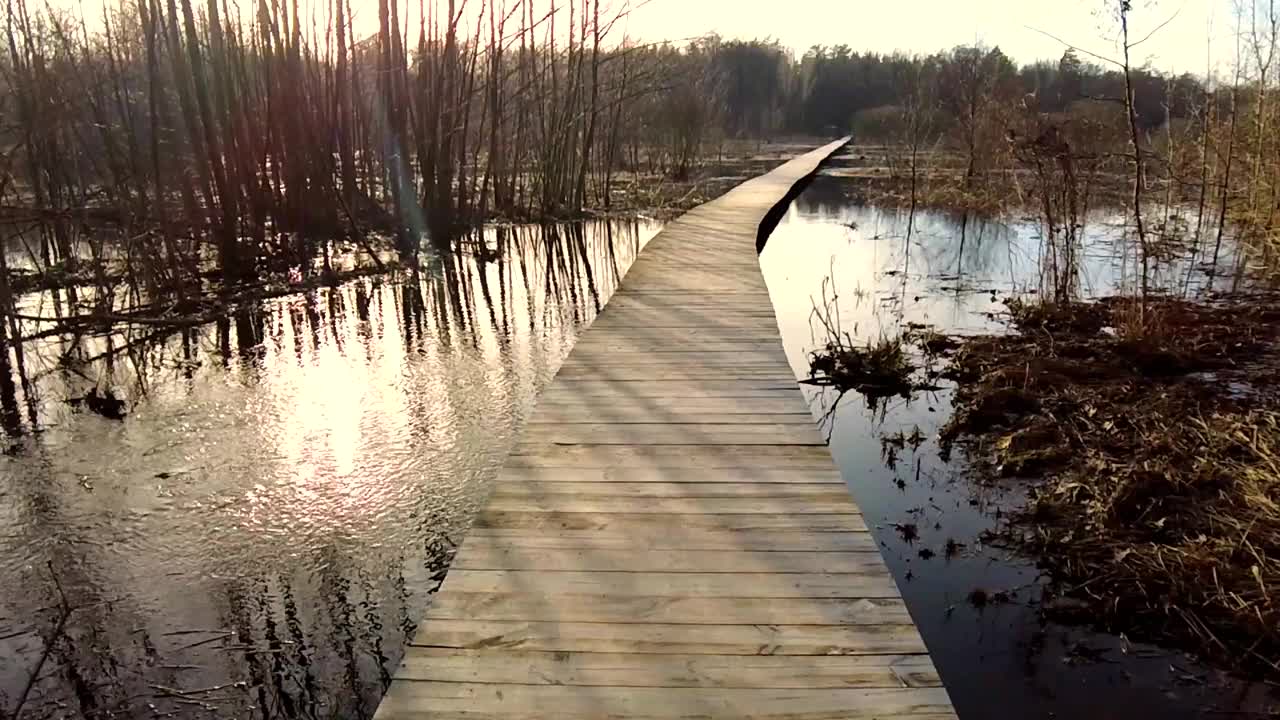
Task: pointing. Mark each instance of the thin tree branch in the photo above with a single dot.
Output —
(1077, 48)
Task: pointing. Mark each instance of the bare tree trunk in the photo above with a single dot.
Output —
(1226, 173)
(1136, 143)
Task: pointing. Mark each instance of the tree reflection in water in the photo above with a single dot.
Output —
(259, 537)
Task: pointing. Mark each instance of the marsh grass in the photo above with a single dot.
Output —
(1152, 437)
(880, 368)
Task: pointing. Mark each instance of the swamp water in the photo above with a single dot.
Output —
(259, 536)
(976, 605)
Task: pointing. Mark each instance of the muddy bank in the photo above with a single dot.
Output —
(1150, 436)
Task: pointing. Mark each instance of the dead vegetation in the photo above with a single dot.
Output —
(877, 369)
(1153, 437)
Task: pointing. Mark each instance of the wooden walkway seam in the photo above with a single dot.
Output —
(670, 537)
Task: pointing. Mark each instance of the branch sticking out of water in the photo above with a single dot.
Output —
(65, 613)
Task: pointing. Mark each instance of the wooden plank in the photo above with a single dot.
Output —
(670, 475)
(669, 505)
(672, 434)
(690, 374)
(663, 368)
(648, 523)
(658, 407)
(613, 343)
(660, 638)
(751, 402)
(872, 583)
(665, 488)
(632, 415)
(485, 556)
(636, 391)
(724, 322)
(746, 457)
(660, 366)
(640, 358)
(691, 337)
(666, 537)
(782, 386)
(457, 605)
(526, 702)
(747, 301)
(672, 671)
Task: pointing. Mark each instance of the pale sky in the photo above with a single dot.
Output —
(913, 26)
(924, 26)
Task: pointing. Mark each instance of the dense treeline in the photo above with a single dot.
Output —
(830, 89)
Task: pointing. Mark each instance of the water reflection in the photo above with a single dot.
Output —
(260, 534)
(976, 606)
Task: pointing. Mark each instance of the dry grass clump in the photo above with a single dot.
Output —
(881, 368)
(1172, 531)
(1155, 444)
(1076, 317)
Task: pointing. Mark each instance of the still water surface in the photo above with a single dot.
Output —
(259, 536)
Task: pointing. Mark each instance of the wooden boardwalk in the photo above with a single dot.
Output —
(670, 538)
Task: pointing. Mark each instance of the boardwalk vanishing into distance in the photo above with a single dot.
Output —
(670, 538)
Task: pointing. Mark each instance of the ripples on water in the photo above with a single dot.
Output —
(259, 536)
(998, 661)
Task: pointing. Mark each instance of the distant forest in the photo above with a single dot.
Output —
(766, 90)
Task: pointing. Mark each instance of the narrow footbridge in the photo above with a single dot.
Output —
(670, 537)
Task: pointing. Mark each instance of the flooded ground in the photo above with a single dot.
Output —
(976, 605)
(258, 537)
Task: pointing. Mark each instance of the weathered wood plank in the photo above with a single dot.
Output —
(670, 475)
(658, 408)
(450, 699)
(672, 434)
(692, 338)
(639, 358)
(873, 583)
(676, 371)
(666, 537)
(660, 638)
(691, 346)
(637, 319)
(666, 488)
(458, 605)
(479, 555)
(646, 523)
(599, 387)
(796, 458)
(631, 415)
(672, 671)
(668, 505)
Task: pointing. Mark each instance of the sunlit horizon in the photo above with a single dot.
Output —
(1178, 36)
(927, 26)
